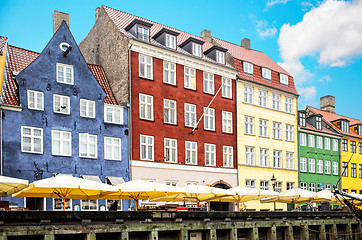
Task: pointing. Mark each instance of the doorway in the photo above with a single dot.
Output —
(221, 206)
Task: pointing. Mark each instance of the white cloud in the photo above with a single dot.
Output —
(263, 31)
(308, 93)
(273, 2)
(325, 78)
(297, 70)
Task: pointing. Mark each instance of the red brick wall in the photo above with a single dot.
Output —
(159, 130)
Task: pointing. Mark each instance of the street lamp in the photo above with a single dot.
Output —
(273, 182)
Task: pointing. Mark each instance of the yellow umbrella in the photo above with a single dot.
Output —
(9, 185)
(293, 196)
(326, 196)
(242, 194)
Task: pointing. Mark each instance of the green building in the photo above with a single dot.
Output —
(319, 153)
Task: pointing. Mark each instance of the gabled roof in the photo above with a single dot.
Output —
(324, 130)
(260, 59)
(3, 43)
(19, 59)
(330, 117)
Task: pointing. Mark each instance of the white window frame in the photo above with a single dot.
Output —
(210, 154)
(209, 83)
(311, 165)
(220, 57)
(311, 140)
(88, 104)
(62, 141)
(249, 125)
(169, 73)
(335, 168)
(264, 185)
(61, 107)
(248, 94)
(278, 186)
(227, 87)
(277, 159)
(312, 187)
(344, 126)
(32, 138)
(148, 107)
(87, 142)
(290, 185)
(196, 50)
(190, 115)
(248, 68)
(264, 157)
(191, 149)
(228, 158)
(143, 33)
(146, 144)
(276, 101)
(227, 122)
(38, 97)
(302, 139)
(249, 183)
(171, 183)
(190, 78)
(327, 143)
(266, 73)
(68, 205)
(277, 130)
(82, 203)
(170, 109)
(284, 79)
(319, 166)
(209, 119)
(289, 133)
(263, 98)
(319, 142)
(249, 156)
(327, 167)
(288, 105)
(146, 63)
(303, 185)
(290, 160)
(263, 128)
(65, 67)
(113, 117)
(170, 41)
(170, 150)
(113, 148)
(303, 164)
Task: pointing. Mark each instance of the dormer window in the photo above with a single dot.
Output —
(283, 79)
(192, 46)
(216, 53)
(220, 57)
(248, 68)
(266, 73)
(170, 41)
(139, 29)
(143, 33)
(345, 126)
(196, 49)
(166, 37)
(359, 129)
(302, 118)
(318, 122)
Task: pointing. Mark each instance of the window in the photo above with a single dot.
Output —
(58, 204)
(227, 88)
(359, 129)
(210, 154)
(312, 187)
(311, 165)
(249, 125)
(170, 41)
(360, 147)
(277, 159)
(264, 185)
(170, 150)
(303, 185)
(288, 105)
(345, 126)
(360, 170)
(284, 79)
(111, 202)
(220, 57)
(264, 157)
(278, 187)
(335, 144)
(250, 183)
(327, 169)
(353, 170)
(248, 94)
(87, 108)
(228, 156)
(145, 68)
(31, 139)
(344, 145)
(276, 101)
(266, 73)
(209, 119)
(248, 68)
(263, 128)
(303, 139)
(289, 133)
(353, 146)
(249, 156)
(303, 164)
(335, 186)
(318, 123)
(65, 74)
(302, 119)
(345, 190)
(311, 140)
(147, 147)
(89, 205)
(61, 104)
(208, 83)
(335, 168)
(290, 160)
(196, 49)
(169, 111)
(290, 185)
(227, 122)
(263, 96)
(61, 143)
(35, 100)
(191, 152)
(113, 114)
(328, 186)
(171, 183)
(143, 33)
(190, 78)
(112, 148)
(277, 130)
(319, 142)
(319, 166)
(146, 107)
(190, 115)
(327, 143)
(169, 73)
(87, 145)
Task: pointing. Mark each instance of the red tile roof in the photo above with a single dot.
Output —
(330, 117)
(3, 42)
(20, 58)
(324, 130)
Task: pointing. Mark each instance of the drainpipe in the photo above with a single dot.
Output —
(130, 41)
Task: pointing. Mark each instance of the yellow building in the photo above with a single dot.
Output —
(3, 47)
(266, 123)
(351, 144)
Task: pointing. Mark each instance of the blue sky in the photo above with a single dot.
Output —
(318, 42)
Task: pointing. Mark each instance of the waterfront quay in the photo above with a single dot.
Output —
(52, 225)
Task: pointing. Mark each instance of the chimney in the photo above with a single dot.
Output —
(206, 35)
(246, 43)
(58, 18)
(327, 103)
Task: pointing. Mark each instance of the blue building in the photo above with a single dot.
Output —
(60, 117)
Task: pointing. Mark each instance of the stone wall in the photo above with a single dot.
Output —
(105, 45)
